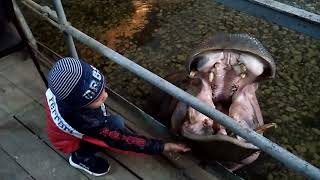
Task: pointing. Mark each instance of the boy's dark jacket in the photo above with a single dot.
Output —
(67, 127)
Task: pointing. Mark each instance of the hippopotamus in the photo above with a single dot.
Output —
(224, 72)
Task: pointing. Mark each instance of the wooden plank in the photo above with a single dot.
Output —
(33, 116)
(9, 169)
(38, 159)
(26, 77)
(3, 114)
(11, 97)
(11, 60)
(149, 167)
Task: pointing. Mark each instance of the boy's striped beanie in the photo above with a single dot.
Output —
(75, 82)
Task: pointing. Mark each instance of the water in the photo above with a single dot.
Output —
(159, 36)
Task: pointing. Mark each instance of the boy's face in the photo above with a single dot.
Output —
(98, 102)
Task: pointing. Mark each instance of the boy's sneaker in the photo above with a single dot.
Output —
(91, 164)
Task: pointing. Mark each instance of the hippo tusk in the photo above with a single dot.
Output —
(253, 64)
(211, 76)
(209, 60)
(263, 128)
(192, 74)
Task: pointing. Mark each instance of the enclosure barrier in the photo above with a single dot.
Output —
(63, 20)
(276, 151)
(272, 10)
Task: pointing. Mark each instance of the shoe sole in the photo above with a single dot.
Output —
(86, 170)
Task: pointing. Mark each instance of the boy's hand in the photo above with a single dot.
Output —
(172, 147)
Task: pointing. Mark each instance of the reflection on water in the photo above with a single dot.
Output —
(292, 99)
(128, 27)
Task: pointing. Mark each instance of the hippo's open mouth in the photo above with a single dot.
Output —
(224, 73)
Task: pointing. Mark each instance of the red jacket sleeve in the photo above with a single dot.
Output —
(95, 125)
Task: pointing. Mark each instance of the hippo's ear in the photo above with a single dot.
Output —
(178, 116)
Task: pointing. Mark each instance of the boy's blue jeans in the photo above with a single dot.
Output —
(114, 121)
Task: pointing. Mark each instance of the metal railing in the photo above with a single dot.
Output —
(276, 151)
(285, 15)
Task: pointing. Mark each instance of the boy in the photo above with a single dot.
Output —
(78, 121)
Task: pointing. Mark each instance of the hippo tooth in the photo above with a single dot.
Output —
(211, 77)
(243, 68)
(243, 75)
(209, 60)
(192, 74)
(222, 131)
(253, 64)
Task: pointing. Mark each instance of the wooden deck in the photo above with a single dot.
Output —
(26, 153)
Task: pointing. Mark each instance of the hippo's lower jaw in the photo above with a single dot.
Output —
(203, 129)
(198, 128)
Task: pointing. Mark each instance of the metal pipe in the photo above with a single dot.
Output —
(63, 21)
(279, 13)
(41, 14)
(279, 153)
(285, 8)
(44, 9)
(24, 25)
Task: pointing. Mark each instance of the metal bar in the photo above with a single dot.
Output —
(42, 9)
(293, 18)
(24, 25)
(287, 158)
(63, 21)
(26, 35)
(41, 14)
(278, 6)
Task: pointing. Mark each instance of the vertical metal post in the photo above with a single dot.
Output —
(27, 36)
(63, 21)
(24, 25)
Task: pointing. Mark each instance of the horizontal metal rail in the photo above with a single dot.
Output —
(276, 151)
(281, 7)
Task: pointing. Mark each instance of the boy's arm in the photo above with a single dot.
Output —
(97, 127)
(125, 141)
